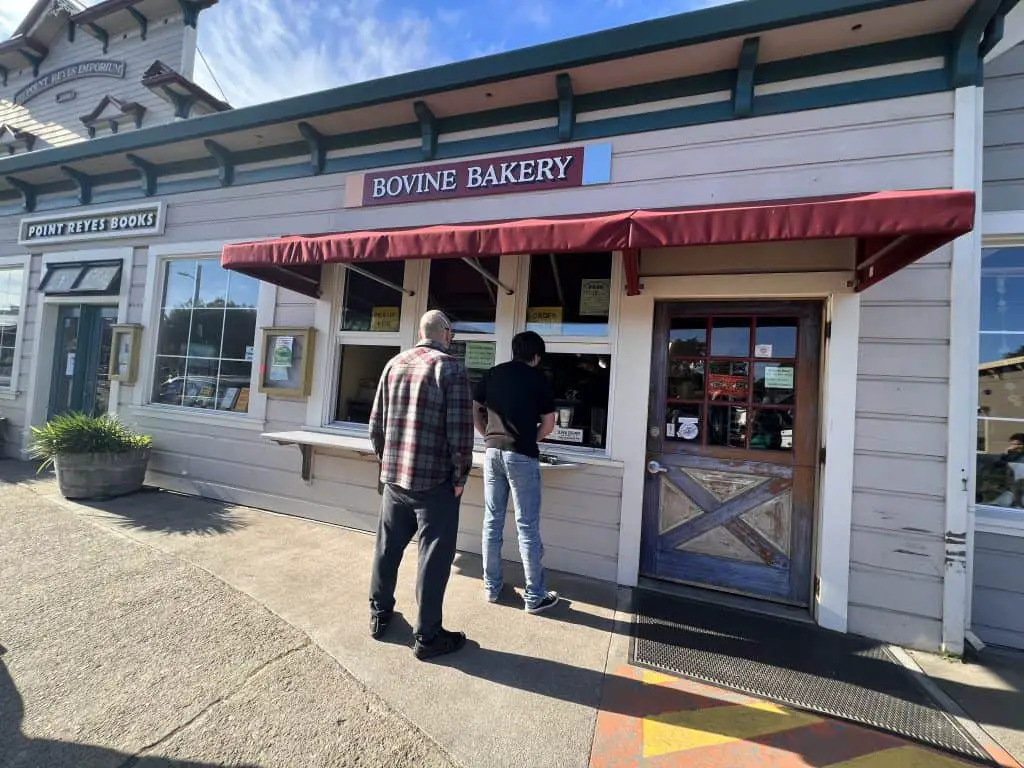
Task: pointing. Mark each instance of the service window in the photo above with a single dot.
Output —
(570, 294)
(360, 368)
(466, 291)
(581, 383)
(373, 297)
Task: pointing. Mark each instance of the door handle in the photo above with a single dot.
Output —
(654, 468)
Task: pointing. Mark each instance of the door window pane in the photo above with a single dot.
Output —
(772, 429)
(459, 290)
(688, 338)
(580, 383)
(774, 383)
(205, 342)
(372, 305)
(727, 426)
(685, 380)
(570, 294)
(728, 382)
(360, 371)
(730, 337)
(775, 337)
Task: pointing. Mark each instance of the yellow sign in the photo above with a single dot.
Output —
(544, 319)
(385, 319)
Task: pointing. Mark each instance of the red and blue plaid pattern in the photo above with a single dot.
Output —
(421, 424)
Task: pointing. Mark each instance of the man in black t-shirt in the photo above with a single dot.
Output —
(514, 408)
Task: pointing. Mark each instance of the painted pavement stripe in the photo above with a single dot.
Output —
(679, 731)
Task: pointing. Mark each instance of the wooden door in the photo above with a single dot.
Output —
(732, 447)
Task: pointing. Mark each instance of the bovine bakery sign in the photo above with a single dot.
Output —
(94, 68)
(529, 172)
(98, 224)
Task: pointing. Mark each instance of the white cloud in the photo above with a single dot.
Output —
(262, 50)
(12, 13)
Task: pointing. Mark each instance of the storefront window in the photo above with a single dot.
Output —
(581, 384)
(1000, 462)
(570, 294)
(11, 283)
(206, 336)
(373, 297)
(466, 292)
(360, 370)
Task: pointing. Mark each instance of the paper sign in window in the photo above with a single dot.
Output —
(778, 377)
(385, 319)
(595, 296)
(479, 355)
(544, 319)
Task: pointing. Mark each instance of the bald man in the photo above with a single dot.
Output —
(421, 427)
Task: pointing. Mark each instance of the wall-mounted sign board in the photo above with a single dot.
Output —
(142, 220)
(561, 168)
(94, 68)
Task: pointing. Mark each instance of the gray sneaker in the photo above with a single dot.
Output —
(550, 601)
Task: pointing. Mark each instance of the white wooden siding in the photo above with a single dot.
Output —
(1004, 132)
(59, 124)
(998, 605)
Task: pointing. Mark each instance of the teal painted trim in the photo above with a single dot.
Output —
(566, 108)
(428, 129)
(722, 22)
(27, 192)
(996, 28)
(149, 173)
(965, 61)
(679, 88)
(83, 181)
(845, 94)
(899, 86)
(225, 162)
(743, 91)
(317, 146)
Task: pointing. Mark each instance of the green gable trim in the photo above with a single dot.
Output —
(749, 18)
(843, 94)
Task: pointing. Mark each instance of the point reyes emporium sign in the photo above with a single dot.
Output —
(94, 68)
(560, 168)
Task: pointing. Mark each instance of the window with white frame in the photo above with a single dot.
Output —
(206, 336)
(12, 280)
(569, 303)
(1000, 448)
(374, 302)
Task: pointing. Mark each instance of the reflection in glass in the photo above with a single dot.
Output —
(206, 332)
(730, 337)
(685, 379)
(570, 294)
(688, 338)
(213, 284)
(360, 371)
(772, 429)
(370, 305)
(98, 278)
(61, 279)
(1001, 465)
(774, 383)
(468, 299)
(180, 283)
(729, 381)
(580, 383)
(10, 312)
(775, 337)
(727, 426)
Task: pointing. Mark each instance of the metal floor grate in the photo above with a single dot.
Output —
(802, 666)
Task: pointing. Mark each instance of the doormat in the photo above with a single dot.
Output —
(801, 666)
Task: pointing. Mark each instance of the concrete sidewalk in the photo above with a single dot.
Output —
(528, 691)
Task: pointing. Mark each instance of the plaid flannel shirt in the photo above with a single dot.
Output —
(421, 424)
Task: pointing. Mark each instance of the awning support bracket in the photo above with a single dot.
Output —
(225, 162)
(566, 107)
(477, 267)
(82, 180)
(148, 173)
(428, 129)
(141, 20)
(881, 253)
(558, 279)
(306, 451)
(28, 193)
(743, 91)
(3, 76)
(35, 60)
(99, 33)
(965, 57)
(631, 267)
(317, 146)
(377, 279)
(190, 12)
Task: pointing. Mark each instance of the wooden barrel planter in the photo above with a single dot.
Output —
(101, 475)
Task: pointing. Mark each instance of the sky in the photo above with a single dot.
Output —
(262, 50)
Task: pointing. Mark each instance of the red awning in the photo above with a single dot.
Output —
(893, 229)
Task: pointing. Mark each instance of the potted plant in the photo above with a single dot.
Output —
(95, 457)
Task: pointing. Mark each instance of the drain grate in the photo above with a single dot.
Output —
(842, 676)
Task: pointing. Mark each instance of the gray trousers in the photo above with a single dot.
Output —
(434, 515)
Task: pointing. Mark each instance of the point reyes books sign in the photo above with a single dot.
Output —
(142, 220)
(561, 168)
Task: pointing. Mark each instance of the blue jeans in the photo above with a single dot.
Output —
(506, 471)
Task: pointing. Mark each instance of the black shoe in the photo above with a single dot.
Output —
(444, 642)
(379, 625)
(550, 601)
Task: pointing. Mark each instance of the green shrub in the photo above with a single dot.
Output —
(72, 433)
